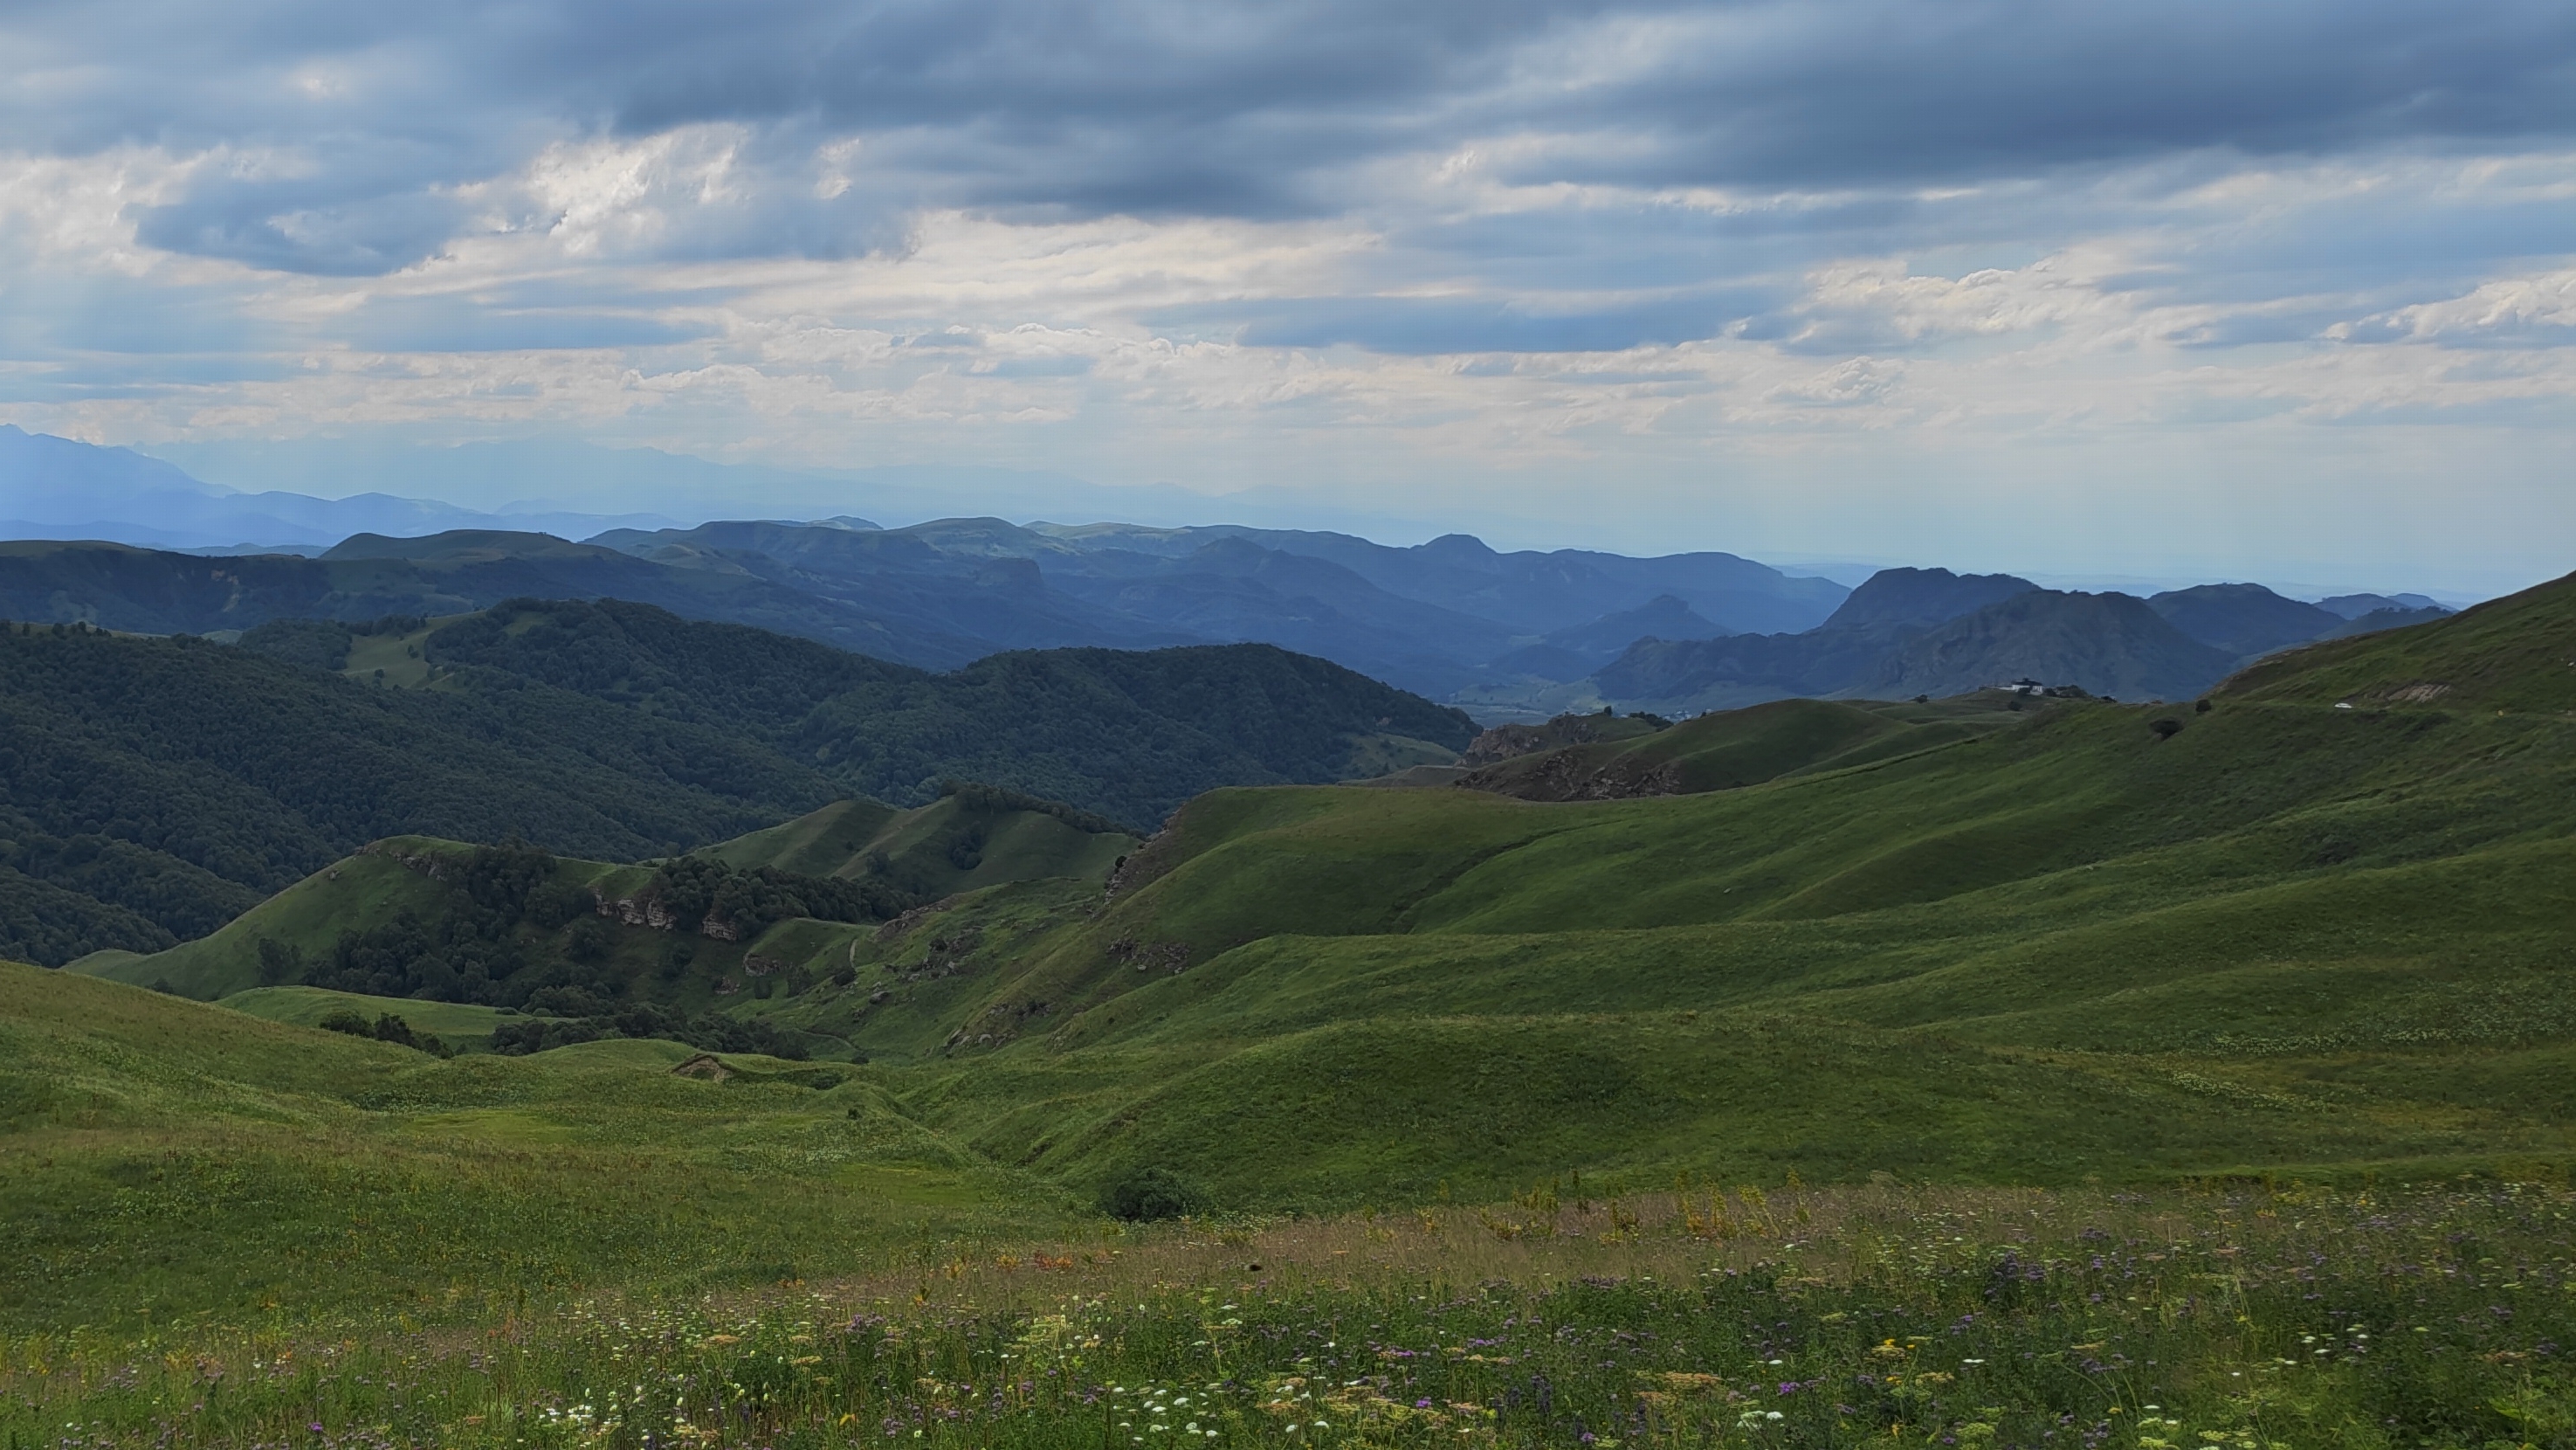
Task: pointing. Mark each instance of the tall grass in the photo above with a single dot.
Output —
(2235, 1318)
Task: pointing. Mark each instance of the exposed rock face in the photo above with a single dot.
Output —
(901, 926)
(633, 911)
(1508, 742)
(648, 911)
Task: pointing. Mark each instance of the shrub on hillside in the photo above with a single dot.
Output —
(386, 1028)
(711, 1031)
(1144, 1194)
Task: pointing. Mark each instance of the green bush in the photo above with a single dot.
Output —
(341, 1019)
(1144, 1194)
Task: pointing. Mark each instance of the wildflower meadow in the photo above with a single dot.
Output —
(2216, 1317)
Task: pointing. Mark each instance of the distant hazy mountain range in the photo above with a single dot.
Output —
(58, 488)
(1910, 632)
(1520, 635)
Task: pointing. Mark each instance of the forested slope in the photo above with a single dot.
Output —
(1129, 734)
(151, 789)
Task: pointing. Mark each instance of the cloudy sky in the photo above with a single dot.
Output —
(2282, 290)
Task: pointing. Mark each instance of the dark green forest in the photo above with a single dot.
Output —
(151, 788)
(1127, 734)
(500, 899)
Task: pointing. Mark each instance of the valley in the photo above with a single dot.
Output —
(2316, 927)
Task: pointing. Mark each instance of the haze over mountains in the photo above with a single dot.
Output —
(1505, 635)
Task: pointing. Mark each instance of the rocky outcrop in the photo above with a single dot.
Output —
(644, 911)
(1170, 957)
(1510, 742)
(1570, 776)
(647, 911)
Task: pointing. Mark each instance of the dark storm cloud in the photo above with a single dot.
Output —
(1900, 91)
(1162, 108)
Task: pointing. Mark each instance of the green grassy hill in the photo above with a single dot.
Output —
(464, 1026)
(170, 1160)
(970, 838)
(1736, 748)
(349, 920)
(416, 908)
(2287, 936)
(2517, 654)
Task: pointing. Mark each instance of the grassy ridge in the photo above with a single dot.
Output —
(2517, 653)
(966, 841)
(1736, 748)
(956, 843)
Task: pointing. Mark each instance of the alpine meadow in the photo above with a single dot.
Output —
(1123, 725)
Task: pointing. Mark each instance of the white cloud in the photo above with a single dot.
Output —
(1863, 380)
(2505, 307)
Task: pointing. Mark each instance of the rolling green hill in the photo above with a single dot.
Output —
(2283, 936)
(971, 837)
(171, 1160)
(2517, 653)
(447, 922)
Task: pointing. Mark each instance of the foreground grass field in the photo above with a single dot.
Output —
(2235, 1318)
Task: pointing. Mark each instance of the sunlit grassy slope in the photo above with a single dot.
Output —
(161, 1158)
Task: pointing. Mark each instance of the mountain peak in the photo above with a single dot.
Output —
(1922, 598)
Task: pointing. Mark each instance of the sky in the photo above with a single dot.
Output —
(2277, 290)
